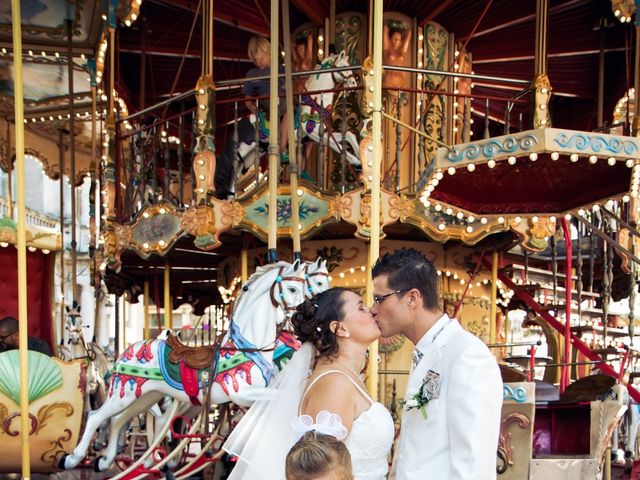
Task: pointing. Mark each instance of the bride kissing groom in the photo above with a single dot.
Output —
(451, 416)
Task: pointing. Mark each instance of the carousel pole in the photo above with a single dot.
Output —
(274, 149)
(167, 295)
(293, 161)
(146, 309)
(244, 264)
(636, 80)
(493, 312)
(9, 173)
(93, 169)
(22, 239)
(374, 244)
(62, 279)
(72, 166)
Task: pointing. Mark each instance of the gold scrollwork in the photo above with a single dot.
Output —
(56, 449)
(505, 448)
(45, 413)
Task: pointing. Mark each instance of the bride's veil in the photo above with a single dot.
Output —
(264, 436)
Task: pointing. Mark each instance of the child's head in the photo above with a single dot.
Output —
(259, 51)
(318, 457)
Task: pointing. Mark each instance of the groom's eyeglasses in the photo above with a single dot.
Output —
(378, 299)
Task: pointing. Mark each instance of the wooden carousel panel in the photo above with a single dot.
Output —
(316, 210)
(42, 238)
(443, 222)
(436, 56)
(351, 36)
(44, 20)
(545, 171)
(516, 430)
(155, 230)
(56, 401)
(355, 208)
(41, 142)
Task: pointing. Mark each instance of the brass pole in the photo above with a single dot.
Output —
(9, 172)
(293, 161)
(601, 77)
(124, 323)
(22, 239)
(167, 295)
(62, 278)
(636, 79)
(146, 309)
(244, 264)
(374, 245)
(494, 297)
(72, 166)
(274, 149)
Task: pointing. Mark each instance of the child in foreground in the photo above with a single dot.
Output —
(318, 457)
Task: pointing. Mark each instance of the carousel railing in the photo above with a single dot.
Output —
(599, 249)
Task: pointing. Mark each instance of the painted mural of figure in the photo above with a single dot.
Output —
(302, 59)
(395, 45)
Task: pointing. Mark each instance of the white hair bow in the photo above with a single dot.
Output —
(326, 423)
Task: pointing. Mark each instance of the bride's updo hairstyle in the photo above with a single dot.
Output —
(312, 319)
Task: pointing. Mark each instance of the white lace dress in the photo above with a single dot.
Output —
(370, 439)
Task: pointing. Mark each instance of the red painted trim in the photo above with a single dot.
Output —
(579, 344)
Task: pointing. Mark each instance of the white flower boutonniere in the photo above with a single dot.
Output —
(428, 390)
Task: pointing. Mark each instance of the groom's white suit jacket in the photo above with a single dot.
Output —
(459, 438)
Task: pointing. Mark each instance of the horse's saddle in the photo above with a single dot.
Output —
(199, 358)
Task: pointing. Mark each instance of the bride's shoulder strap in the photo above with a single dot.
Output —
(328, 372)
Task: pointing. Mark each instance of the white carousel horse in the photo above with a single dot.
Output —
(314, 108)
(316, 280)
(241, 365)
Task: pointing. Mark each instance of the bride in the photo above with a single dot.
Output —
(320, 389)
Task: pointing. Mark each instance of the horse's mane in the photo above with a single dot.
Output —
(260, 271)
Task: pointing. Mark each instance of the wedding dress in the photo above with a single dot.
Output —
(273, 424)
(371, 436)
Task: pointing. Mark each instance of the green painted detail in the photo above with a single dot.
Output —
(225, 364)
(45, 375)
(6, 222)
(173, 369)
(136, 371)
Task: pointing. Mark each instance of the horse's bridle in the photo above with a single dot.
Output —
(307, 279)
(277, 284)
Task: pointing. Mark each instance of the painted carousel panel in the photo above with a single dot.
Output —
(56, 400)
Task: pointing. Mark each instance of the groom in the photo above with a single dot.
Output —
(451, 418)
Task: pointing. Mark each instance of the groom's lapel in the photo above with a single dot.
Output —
(432, 354)
(429, 360)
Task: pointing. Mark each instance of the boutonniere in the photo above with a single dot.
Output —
(428, 390)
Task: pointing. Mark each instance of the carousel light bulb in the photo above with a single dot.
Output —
(629, 163)
(574, 157)
(567, 217)
(534, 219)
(471, 167)
(449, 211)
(483, 220)
(460, 215)
(517, 220)
(320, 38)
(469, 229)
(500, 219)
(593, 159)
(420, 37)
(146, 245)
(555, 156)
(491, 163)
(162, 243)
(511, 160)
(442, 226)
(533, 156)
(625, 198)
(611, 161)
(451, 171)
(438, 207)
(439, 175)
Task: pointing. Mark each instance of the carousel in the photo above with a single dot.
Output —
(241, 157)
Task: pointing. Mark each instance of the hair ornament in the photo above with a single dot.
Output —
(325, 423)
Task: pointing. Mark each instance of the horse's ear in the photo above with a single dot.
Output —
(324, 263)
(296, 265)
(319, 261)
